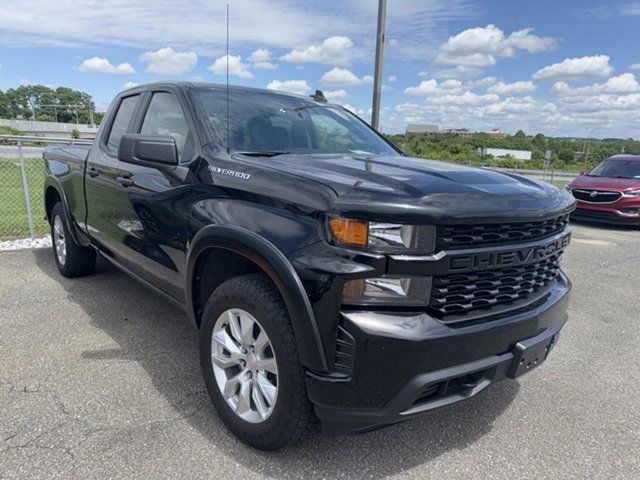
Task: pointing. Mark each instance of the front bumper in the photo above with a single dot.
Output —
(406, 364)
(608, 213)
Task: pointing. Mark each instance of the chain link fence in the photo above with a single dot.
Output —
(22, 186)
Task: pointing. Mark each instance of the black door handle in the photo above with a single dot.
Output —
(93, 173)
(124, 181)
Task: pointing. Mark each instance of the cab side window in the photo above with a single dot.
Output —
(121, 122)
(165, 117)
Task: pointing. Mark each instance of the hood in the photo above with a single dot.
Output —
(409, 188)
(605, 183)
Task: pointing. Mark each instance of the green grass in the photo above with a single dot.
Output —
(13, 211)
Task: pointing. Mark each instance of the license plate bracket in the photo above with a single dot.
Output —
(531, 353)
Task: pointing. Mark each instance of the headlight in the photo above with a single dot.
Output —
(632, 193)
(389, 237)
(407, 291)
(568, 186)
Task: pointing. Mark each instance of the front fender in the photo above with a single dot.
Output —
(272, 261)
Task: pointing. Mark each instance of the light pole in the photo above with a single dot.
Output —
(377, 78)
(586, 153)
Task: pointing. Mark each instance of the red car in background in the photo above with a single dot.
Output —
(610, 192)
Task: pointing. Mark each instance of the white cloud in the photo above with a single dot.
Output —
(630, 9)
(459, 71)
(483, 82)
(333, 95)
(482, 46)
(261, 59)
(393, 78)
(423, 73)
(344, 77)
(622, 84)
(167, 61)
(236, 66)
(635, 66)
(103, 65)
(332, 51)
(518, 105)
(432, 87)
(406, 107)
(275, 24)
(465, 99)
(299, 87)
(515, 88)
(129, 85)
(583, 68)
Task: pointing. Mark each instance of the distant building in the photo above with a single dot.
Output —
(504, 152)
(495, 133)
(415, 128)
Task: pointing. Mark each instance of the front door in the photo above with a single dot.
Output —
(101, 177)
(152, 206)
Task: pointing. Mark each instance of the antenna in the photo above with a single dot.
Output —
(228, 132)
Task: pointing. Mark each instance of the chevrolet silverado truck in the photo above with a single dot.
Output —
(334, 280)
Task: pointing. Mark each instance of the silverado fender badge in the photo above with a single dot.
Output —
(230, 173)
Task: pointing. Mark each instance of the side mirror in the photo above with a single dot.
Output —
(148, 150)
(584, 172)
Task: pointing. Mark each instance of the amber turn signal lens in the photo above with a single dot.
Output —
(350, 232)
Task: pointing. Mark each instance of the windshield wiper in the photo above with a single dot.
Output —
(266, 153)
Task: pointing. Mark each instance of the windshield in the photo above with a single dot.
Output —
(617, 169)
(270, 124)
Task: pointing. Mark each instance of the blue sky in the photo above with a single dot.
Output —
(559, 67)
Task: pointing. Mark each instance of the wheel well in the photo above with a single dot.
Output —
(214, 267)
(51, 197)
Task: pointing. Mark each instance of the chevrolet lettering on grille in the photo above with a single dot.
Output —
(510, 258)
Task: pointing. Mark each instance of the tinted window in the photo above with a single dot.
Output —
(121, 121)
(617, 169)
(165, 117)
(271, 122)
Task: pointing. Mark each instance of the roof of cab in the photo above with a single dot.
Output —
(188, 85)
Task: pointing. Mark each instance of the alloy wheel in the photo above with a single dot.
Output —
(244, 365)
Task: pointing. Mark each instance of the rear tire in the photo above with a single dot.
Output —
(71, 259)
(252, 300)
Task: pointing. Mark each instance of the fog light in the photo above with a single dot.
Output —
(409, 291)
(632, 212)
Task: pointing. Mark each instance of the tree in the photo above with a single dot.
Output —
(520, 135)
(62, 104)
(566, 155)
(540, 141)
(5, 111)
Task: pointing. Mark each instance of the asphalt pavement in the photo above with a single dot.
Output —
(99, 378)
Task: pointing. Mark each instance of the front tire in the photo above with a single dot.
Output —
(250, 364)
(71, 259)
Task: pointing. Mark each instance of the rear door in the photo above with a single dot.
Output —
(152, 205)
(101, 176)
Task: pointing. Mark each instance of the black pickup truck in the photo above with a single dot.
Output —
(330, 276)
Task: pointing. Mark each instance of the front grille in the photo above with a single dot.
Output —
(596, 196)
(451, 237)
(458, 294)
